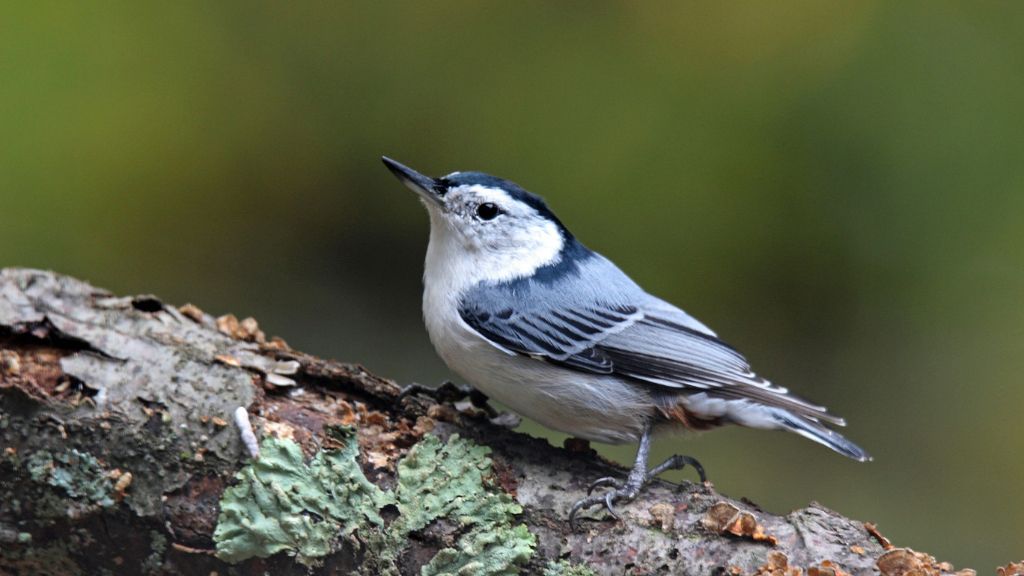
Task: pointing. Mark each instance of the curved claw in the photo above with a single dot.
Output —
(579, 505)
(700, 470)
(609, 501)
(572, 515)
(606, 481)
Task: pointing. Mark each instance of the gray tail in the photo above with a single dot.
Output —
(814, 430)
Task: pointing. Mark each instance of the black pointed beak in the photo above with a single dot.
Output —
(425, 186)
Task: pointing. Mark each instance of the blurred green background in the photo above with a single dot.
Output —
(836, 188)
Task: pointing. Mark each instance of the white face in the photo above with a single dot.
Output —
(500, 236)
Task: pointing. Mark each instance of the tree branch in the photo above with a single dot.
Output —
(121, 455)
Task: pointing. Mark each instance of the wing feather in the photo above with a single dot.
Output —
(612, 326)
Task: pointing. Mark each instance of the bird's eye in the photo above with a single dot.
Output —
(487, 211)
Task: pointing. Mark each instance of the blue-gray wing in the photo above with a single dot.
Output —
(588, 315)
(585, 313)
(560, 314)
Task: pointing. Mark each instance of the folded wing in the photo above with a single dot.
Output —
(589, 316)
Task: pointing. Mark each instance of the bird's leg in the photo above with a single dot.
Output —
(450, 392)
(623, 492)
(638, 477)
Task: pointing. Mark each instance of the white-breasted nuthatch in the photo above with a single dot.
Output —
(517, 306)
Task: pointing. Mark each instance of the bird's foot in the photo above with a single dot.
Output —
(620, 492)
(678, 462)
(628, 490)
(450, 392)
(447, 392)
(601, 482)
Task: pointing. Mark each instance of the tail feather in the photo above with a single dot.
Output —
(704, 410)
(814, 430)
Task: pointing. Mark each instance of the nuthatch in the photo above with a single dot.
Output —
(516, 305)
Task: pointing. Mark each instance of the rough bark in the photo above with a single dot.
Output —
(118, 444)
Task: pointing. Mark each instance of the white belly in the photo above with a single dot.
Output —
(591, 406)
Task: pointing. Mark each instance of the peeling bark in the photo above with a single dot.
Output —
(118, 442)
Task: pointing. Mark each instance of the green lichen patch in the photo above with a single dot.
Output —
(436, 479)
(488, 549)
(283, 504)
(78, 474)
(566, 568)
(454, 480)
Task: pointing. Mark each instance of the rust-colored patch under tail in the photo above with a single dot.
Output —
(678, 414)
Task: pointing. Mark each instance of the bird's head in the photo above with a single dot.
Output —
(489, 219)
